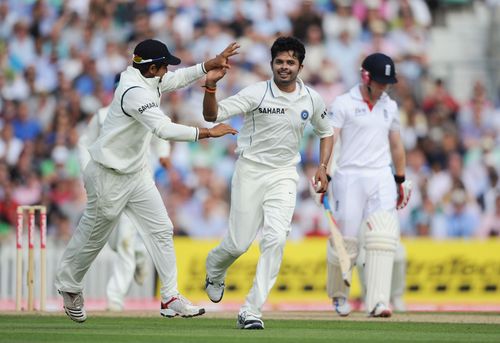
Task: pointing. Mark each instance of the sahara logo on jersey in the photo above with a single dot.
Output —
(271, 110)
(304, 114)
(146, 106)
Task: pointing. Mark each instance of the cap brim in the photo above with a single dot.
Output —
(390, 80)
(172, 60)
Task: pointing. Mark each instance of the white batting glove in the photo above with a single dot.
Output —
(313, 188)
(404, 193)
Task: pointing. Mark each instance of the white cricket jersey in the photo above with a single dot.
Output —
(364, 133)
(134, 116)
(274, 122)
(159, 147)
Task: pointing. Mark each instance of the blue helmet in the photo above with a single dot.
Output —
(380, 68)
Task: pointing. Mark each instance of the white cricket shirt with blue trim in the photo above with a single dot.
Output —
(134, 117)
(274, 122)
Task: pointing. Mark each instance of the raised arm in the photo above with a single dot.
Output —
(210, 107)
(186, 76)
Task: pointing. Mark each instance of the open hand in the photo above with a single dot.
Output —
(222, 130)
(215, 75)
(222, 59)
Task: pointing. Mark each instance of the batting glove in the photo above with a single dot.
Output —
(317, 197)
(404, 193)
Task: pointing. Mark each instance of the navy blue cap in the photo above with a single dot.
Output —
(152, 50)
(381, 68)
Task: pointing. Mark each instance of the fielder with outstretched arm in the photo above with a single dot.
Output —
(264, 184)
(131, 262)
(365, 193)
(118, 179)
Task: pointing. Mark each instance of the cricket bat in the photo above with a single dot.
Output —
(338, 243)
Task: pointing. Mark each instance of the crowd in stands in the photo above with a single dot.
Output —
(58, 61)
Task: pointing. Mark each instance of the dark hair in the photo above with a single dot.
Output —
(286, 44)
(143, 68)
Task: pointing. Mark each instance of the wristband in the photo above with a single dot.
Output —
(399, 178)
(323, 165)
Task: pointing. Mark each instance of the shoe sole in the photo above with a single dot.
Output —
(200, 312)
(75, 319)
(383, 314)
(218, 300)
(253, 326)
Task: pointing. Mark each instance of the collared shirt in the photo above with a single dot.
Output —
(274, 121)
(364, 133)
(134, 116)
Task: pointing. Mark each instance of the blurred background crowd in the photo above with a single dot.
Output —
(58, 60)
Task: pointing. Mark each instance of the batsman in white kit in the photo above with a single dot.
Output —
(264, 184)
(130, 263)
(364, 191)
(118, 179)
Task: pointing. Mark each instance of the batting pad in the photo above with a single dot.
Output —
(381, 240)
(399, 272)
(335, 286)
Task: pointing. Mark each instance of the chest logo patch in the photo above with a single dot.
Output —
(304, 114)
(271, 110)
(386, 115)
(359, 112)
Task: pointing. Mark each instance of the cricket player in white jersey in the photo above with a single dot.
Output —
(364, 191)
(131, 262)
(118, 179)
(264, 184)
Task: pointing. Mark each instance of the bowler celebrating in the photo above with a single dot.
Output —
(264, 184)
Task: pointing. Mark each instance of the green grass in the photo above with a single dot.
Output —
(36, 328)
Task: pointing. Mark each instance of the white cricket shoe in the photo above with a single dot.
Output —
(180, 306)
(341, 306)
(214, 290)
(114, 307)
(381, 310)
(249, 321)
(73, 306)
(398, 304)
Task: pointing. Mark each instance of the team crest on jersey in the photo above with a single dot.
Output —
(304, 114)
(386, 115)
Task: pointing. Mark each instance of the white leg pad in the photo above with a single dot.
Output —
(335, 285)
(381, 240)
(399, 279)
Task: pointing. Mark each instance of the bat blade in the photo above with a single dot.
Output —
(338, 243)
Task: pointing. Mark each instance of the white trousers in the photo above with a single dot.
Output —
(261, 197)
(128, 246)
(109, 194)
(357, 194)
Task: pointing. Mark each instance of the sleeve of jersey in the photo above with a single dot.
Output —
(143, 108)
(181, 78)
(319, 120)
(396, 122)
(240, 103)
(336, 115)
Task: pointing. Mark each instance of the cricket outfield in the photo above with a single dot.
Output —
(220, 327)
